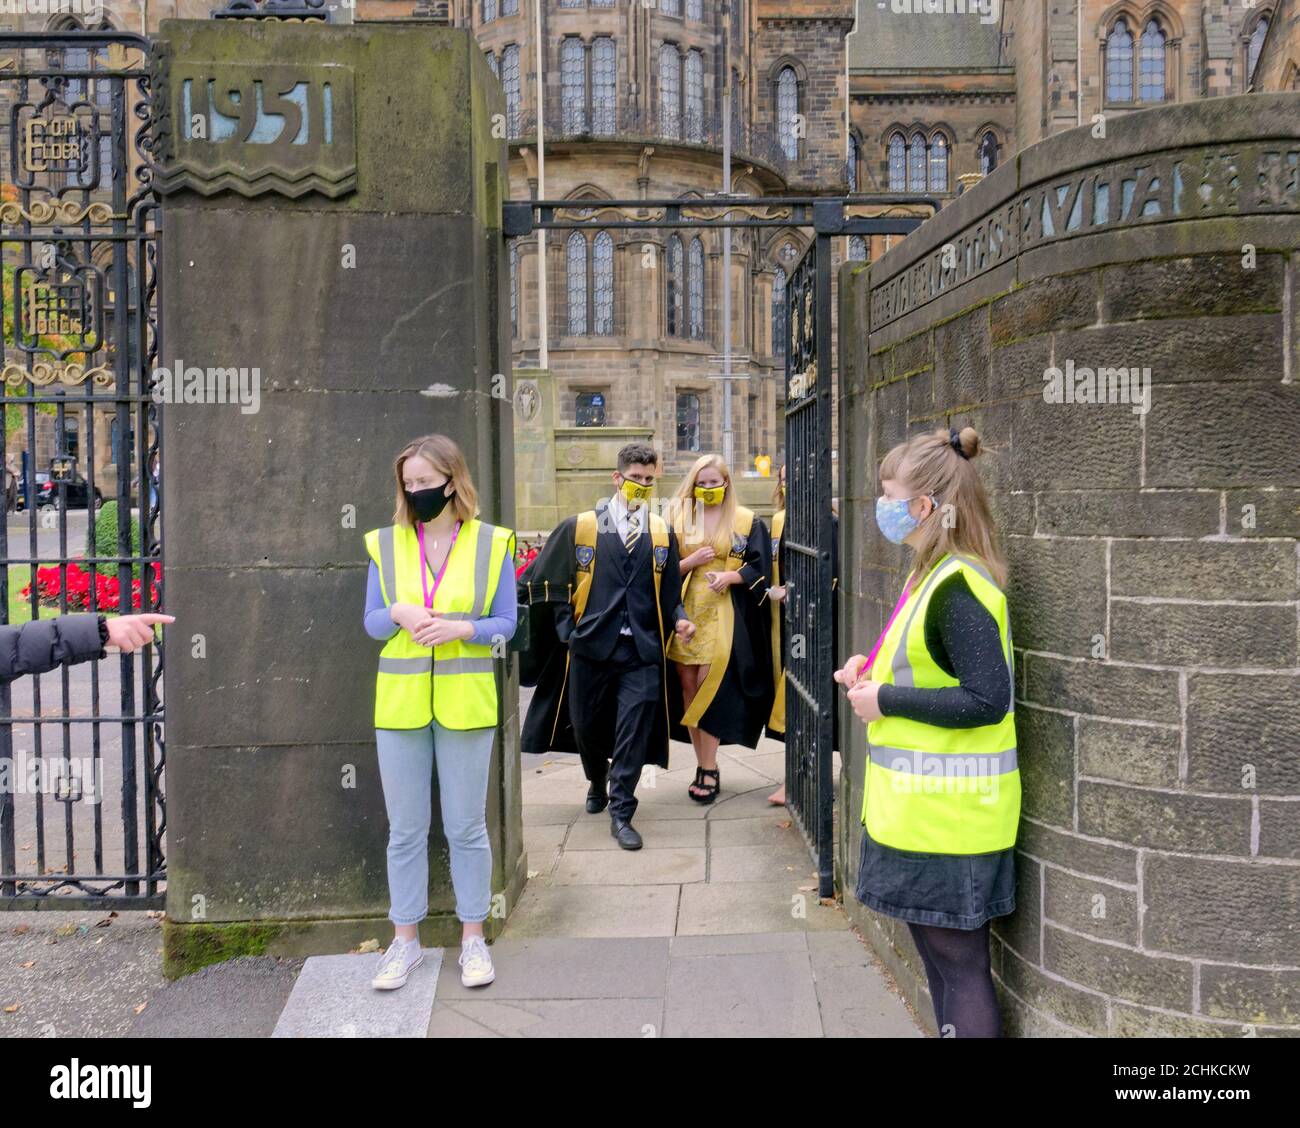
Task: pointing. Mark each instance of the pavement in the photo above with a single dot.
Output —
(714, 928)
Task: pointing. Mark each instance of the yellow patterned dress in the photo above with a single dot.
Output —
(701, 604)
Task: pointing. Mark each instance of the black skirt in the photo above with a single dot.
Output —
(949, 890)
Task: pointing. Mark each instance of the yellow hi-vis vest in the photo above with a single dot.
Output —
(776, 722)
(455, 682)
(940, 790)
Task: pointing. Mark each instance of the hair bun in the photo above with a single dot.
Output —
(969, 440)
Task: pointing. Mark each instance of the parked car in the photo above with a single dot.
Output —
(47, 492)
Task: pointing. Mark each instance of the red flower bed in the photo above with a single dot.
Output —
(50, 584)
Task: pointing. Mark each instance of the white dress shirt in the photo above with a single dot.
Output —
(619, 512)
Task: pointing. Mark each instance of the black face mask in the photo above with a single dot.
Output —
(428, 503)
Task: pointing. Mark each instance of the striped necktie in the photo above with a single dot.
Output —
(633, 529)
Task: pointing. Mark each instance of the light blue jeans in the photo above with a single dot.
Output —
(406, 759)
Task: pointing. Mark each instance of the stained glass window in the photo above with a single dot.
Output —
(494, 64)
(1256, 42)
(675, 301)
(670, 91)
(576, 277)
(897, 163)
(857, 248)
(853, 163)
(688, 421)
(510, 80)
(489, 10)
(695, 9)
(573, 85)
(1119, 64)
(695, 302)
(916, 163)
(510, 7)
(939, 163)
(1151, 61)
(695, 95)
(671, 7)
(603, 283)
(787, 111)
(603, 85)
(988, 152)
(778, 312)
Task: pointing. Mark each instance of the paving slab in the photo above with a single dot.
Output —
(647, 866)
(758, 863)
(594, 910)
(548, 1018)
(757, 994)
(592, 833)
(774, 828)
(753, 906)
(545, 836)
(543, 814)
(565, 967)
(333, 998)
(740, 944)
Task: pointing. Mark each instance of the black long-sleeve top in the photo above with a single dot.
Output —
(963, 639)
(44, 644)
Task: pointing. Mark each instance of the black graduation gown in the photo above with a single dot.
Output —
(743, 700)
(837, 659)
(544, 588)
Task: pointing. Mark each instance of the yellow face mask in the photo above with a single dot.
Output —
(711, 495)
(634, 491)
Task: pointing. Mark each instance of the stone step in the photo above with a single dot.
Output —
(332, 998)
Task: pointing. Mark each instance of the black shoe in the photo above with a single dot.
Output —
(597, 797)
(623, 832)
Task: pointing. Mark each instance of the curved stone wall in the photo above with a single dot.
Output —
(1153, 546)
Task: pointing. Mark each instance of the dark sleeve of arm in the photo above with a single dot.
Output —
(756, 571)
(44, 644)
(552, 575)
(973, 647)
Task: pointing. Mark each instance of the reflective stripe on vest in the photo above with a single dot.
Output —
(933, 789)
(455, 682)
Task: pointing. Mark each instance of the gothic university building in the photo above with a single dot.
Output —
(909, 98)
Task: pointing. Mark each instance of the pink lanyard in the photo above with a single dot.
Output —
(866, 666)
(424, 568)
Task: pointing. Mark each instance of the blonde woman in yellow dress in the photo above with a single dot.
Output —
(724, 672)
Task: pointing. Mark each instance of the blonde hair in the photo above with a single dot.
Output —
(931, 464)
(778, 495)
(684, 510)
(445, 457)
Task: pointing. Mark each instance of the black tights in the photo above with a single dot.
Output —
(961, 981)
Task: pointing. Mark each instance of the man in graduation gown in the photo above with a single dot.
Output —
(601, 597)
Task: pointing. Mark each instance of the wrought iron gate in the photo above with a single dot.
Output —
(808, 659)
(82, 815)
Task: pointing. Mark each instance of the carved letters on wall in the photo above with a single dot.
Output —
(1251, 179)
(254, 128)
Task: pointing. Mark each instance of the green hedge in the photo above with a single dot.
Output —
(106, 539)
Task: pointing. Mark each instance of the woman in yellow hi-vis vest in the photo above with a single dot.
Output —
(441, 592)
(723, 691)
(941, 801)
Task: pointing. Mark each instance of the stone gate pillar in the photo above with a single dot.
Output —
(331, 255)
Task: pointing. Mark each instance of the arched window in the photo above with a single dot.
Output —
(494, 64)
(602, 269)
(897, 163)
(695, 288)
(853, 163)
(787, 111)
(573, 85)
(916, 163)
(576, 278)
(589, 283)
(670, 91)
(688, 421)
(857, 248)
(603, 85)
(1151, 63)
(675, 303)
(779, 281)
(1255, 44)
(694, 95)
(938, 163)
(1119, 63)
(988, 152)
(510, 81)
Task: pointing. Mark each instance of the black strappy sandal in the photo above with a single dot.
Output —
(710, 789)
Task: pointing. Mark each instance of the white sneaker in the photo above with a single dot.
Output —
(475, 964)
(402, 958)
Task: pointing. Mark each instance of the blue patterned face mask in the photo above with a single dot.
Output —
(893, 518)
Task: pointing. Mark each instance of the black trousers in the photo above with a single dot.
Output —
(613, 705)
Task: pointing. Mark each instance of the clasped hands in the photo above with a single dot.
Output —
(717, 581)
(428, 628)
(862, 694)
